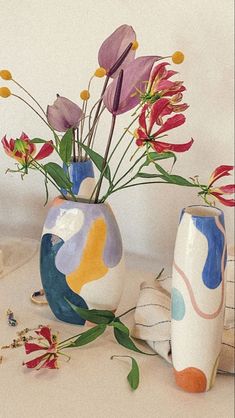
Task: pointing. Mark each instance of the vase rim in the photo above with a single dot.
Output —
(81, 200)
(203, 211)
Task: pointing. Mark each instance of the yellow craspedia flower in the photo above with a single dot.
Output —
(135, 45)
(177, 57)
(5, 92)
(100, 72)
(5, 74)
(85, 95)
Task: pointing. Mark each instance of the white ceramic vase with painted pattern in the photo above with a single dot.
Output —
(81, 258)
(198, 297)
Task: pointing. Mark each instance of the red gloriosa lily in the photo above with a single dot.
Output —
(160, 86)
(28, 149)
(49, 358)
(135, 77)
(218, 192)
(64, 114)
(144, 134)
(114, 46)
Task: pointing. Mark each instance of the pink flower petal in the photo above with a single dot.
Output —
(24, 137)
(171, 123)
(142, 118)
(64, 114)
(134, 81)
(45, 151)
(228, 189)
(226, 202)
(46, 333)
(156, 112)
(221, 171)
(30, 347)
(159, 71)
(113, 47)
(31, 364)
(50, 364)
(164, 146)
(141, 134)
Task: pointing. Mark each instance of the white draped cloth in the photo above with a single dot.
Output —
(153, 318)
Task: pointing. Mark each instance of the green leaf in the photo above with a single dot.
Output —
(66, 144)
(58, 175)
(20, 146)
(155, 156)
(147, 175)
(124, 340)
(134, 375)
(88, 336)
(172, 178)
(119, 325)
(38, 141)
(181, 181)
(93, 315)
(98, 161)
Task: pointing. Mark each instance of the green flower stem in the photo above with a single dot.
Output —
(57, 140)
(117, 144)
(30, 95)
(130, 169)
(61, 345)
(38, 167)
(97, 113)
(105, 158)
(125, 313)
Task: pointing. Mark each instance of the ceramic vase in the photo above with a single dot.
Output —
(81, 258)
(81, 174)
(198, 297)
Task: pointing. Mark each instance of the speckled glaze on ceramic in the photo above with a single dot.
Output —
(81, 258)
(198, 297)
(81, 174)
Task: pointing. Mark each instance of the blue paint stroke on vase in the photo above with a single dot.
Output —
(69, 256)
(211, 274)
(78, 171)
(55, 285)
(177, 305)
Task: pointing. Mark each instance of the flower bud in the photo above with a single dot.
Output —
(135, 45)
(100, 72)
(85, 95)
(5, 92)
(178, 57)
(5, 74)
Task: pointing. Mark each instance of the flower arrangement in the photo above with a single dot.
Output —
(141, 84)
(144, 86)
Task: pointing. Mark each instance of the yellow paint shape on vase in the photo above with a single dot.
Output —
(91, 266)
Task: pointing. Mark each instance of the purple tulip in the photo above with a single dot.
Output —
(64, 114)
(134, 80)
(114, 46)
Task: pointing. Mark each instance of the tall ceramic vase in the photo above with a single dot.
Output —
(81, 174)
(198, 297)
(81, 258)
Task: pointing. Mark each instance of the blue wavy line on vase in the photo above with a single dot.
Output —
(211, 274)
(78, 171)
(54, 282)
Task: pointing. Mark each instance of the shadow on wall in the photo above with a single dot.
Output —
(22, 215)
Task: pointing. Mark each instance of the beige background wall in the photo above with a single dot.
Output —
(51, 46)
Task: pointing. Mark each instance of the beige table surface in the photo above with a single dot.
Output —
(91, 385)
